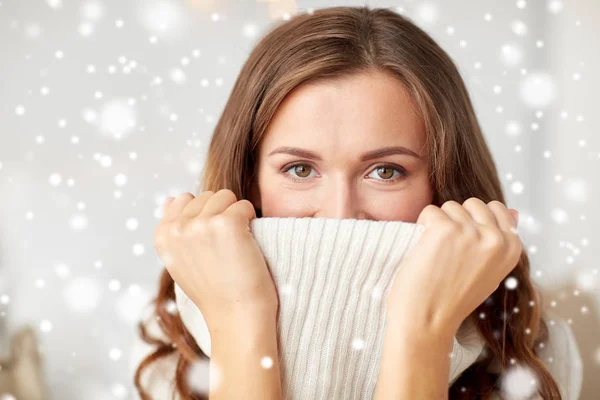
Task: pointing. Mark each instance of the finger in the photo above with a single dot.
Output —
(243, 209)
(218, 202)
(480, 212)
(506, 222)
(177, 205)
(168, 201)
(457, 212)
(195, 207)
(515, 214)
(431, 214)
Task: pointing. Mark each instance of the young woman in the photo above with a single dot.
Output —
(351, 113)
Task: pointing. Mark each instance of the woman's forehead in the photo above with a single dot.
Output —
(361, 111)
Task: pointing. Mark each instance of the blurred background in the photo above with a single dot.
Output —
(107, 107)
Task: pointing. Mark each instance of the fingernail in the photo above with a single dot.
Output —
(168, 201)
(516, 216)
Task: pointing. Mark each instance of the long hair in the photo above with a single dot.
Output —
(334, 43)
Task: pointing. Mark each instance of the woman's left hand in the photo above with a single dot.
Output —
(462, 256)
(460, 259)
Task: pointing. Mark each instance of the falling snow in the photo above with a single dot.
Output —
(111, 110)
(203, 375)
(511, 54)
(538, 90)
(82, 295)
(519, 382)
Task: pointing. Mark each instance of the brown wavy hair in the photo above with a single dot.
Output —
(333, 43)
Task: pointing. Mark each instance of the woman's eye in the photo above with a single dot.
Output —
(300, 171)
(386, 173)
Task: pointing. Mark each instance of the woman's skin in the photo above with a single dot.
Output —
(313, 163)
(340, 122)
(209, 250)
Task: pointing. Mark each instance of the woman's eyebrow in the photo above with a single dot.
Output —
(373, 154)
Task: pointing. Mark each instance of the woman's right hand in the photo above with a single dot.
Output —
(209, 250)
(462, 256)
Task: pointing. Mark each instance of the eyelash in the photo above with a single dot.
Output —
(401, 170)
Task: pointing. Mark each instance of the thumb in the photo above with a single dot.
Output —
(515, 214)
(168, 201)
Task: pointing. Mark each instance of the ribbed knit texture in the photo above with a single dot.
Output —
(332, 276)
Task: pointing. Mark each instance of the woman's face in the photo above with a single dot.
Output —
(346, 149)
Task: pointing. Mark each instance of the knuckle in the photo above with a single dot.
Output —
(471, 201)
(222, 222)
(493, 239)
(185, 196)
(496, 203)
(450, 203)
(228, 193)
(245, 203)
(429, 209)
(469, 232)
(197, 226)
(448, 228)
(177, 227)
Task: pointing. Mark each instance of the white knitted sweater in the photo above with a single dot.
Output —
(332, 277)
